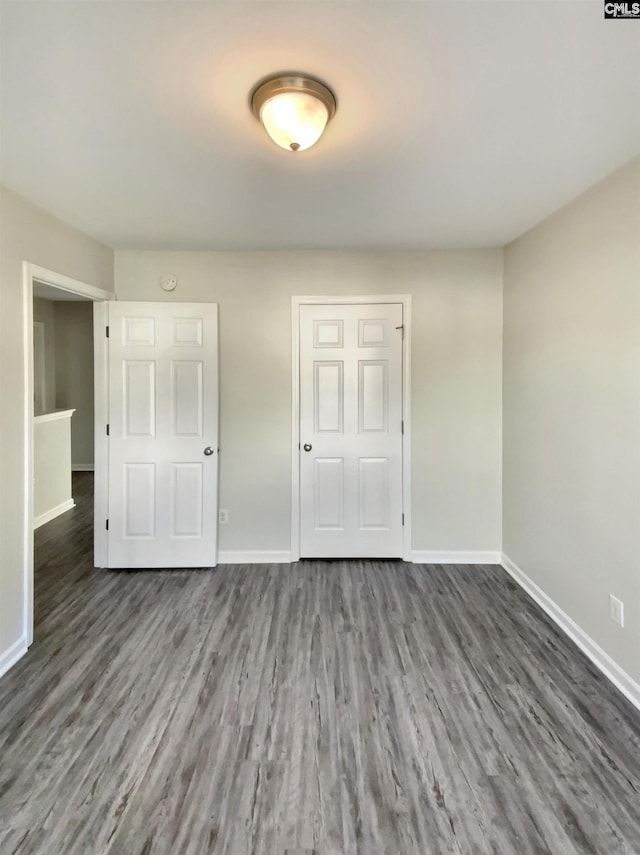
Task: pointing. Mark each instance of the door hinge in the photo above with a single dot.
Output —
(106, 331)
(401, 328)
(106, 525)
(402, 519)
(402, 426)
(107, 430)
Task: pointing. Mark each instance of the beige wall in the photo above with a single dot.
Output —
(74, 373)
(44, 312)
(456, 378)
(68, 330)
(30, 234)
(572, 410)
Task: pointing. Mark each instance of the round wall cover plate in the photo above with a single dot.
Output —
(168, 282)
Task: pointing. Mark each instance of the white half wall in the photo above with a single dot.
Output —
(44, 312)
(51, 466)
(572, 411)
(27, 233)
(456, 379)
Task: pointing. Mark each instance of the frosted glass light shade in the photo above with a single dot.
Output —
(294, 120)
(293, 109)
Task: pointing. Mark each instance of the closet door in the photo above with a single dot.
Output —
(351, 431)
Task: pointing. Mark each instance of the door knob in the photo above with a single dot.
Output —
(306, 446)
(208, 451)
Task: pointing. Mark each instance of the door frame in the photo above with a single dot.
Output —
(100, 444)
(352, 300)
(33, 273)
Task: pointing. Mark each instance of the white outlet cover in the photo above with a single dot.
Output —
(616, 610)
(168, 282)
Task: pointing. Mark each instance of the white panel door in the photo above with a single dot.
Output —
(163, 434)
(351, 431)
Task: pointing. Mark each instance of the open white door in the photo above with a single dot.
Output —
(163, 434)
(351, 500)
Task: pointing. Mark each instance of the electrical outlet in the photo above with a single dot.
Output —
(223, 516)
(616, 609)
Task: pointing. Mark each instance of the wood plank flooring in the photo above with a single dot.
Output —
(322, 707)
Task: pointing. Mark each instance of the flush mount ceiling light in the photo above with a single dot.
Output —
(294, 109)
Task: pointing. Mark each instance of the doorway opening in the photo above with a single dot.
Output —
(63, 397)
(56, 388)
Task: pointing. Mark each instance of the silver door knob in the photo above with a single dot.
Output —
(306, 446)
(208, 451)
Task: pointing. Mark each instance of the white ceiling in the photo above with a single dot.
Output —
(460, 123)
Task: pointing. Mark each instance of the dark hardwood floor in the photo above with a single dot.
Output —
(362, 707)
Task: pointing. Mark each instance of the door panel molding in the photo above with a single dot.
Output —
(296, 303)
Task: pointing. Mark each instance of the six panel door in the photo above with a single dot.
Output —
(163, 434)
(351, 431)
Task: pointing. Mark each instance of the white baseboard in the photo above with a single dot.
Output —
(452, 557)
(626, 684)
(254, 556)
(9, 658)
(258, 556)
(82, 467)
(52, 513)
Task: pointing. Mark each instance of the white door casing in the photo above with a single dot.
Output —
(163, 434)
(32, 273)
(351, 441)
